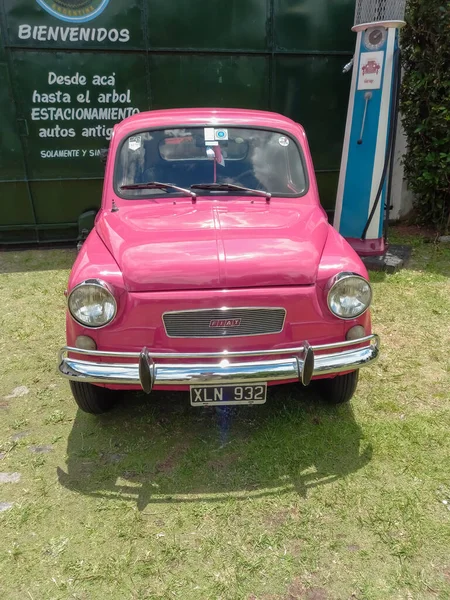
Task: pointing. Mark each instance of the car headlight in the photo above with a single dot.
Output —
(349, 295)
(92, 303)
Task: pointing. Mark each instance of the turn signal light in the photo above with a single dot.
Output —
(355, 333)
(85, 343)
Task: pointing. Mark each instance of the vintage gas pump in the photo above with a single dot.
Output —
(368, 151)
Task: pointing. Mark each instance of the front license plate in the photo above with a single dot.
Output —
(226, 395)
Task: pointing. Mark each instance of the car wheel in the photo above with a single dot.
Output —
(340, 389)
(92, 398)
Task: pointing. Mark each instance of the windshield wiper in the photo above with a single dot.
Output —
(153, 185)
(230, 187)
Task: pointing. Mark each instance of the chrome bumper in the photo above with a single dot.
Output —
(300, 363)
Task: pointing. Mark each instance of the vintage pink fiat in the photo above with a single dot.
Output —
(212, 268)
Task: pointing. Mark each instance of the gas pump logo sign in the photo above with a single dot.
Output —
(370, 70)
(371, 67)
(74, 11)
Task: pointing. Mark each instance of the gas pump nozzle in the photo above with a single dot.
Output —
(347, 67)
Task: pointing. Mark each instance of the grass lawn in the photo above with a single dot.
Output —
(290, 500)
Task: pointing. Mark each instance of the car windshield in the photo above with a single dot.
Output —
(263, 160)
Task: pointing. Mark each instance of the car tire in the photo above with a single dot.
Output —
(92, 398)
(340, 389)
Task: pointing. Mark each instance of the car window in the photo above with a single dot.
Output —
(264, 160)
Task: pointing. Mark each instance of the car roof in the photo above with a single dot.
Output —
(213, 117)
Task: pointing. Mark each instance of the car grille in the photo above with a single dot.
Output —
(224, 323)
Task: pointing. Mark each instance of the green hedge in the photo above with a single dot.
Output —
(425, 106)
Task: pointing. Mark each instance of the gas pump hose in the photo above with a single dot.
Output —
(393, 118)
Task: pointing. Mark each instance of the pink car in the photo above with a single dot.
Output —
(212, 268)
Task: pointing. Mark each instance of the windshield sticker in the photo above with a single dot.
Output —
(209, 134)
(283, 141)
(239, 140)
(134, 143)
(211, 143)
(221, 134)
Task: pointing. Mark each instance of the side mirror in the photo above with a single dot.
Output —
(104, 155)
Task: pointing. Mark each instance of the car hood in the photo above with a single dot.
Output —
(215, 244)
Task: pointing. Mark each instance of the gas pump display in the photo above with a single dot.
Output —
(375, 37)
(366, 164)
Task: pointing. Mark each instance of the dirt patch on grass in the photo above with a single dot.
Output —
(223, 463)
(18, 392)
(10, 477)
(316, 593)
(295, 548)
(40, 449)
(416, 230)
(276, 519)
(280, 517)
(175, 455)
(20, 435)
(295, 591)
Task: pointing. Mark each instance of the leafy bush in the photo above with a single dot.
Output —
(425, 107)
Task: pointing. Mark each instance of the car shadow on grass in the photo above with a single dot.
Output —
(158, 448)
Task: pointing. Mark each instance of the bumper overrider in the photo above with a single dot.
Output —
(285, 364)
